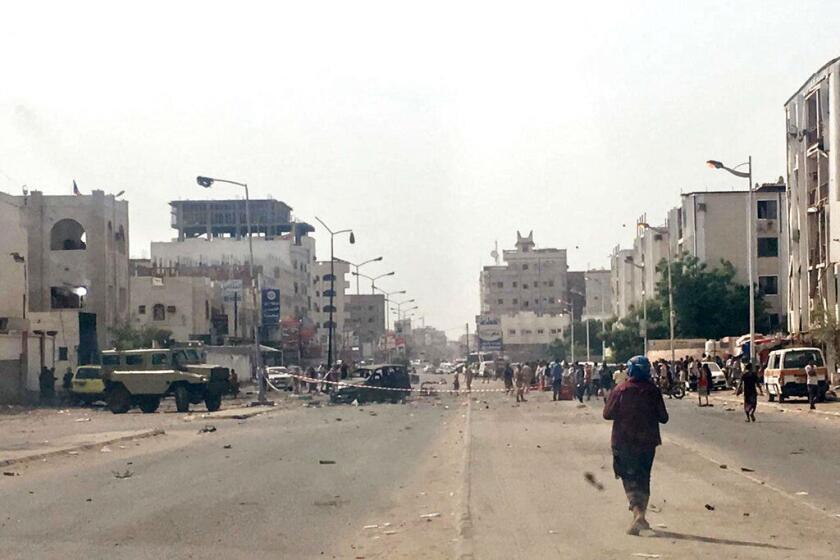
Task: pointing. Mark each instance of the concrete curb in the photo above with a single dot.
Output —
(464, 546)
(233, 414)
(83, 447)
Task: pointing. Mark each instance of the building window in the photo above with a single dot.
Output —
(551, 300)
(500, 284)
(525, 303)
(540, 331)
(119, 237)
(769, 285)
(65, 298)
(62, 353)
(515, 284)
(551, 283)
(67, 235)
(501, 301)
(524, 267)
(158, 312)
(768, 246)
(515, 301)
(552, 331)
(773, 320)
(141, 309)
(768, 210)
(511, 331)
(277, 272)
(524, 286)
(170, 309)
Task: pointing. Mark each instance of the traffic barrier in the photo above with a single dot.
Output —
(339, 384)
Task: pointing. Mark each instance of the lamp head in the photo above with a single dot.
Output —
(714, 164)
(205, 182)
(352, 238)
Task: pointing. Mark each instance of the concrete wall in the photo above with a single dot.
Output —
(66, 326)
(20, 364)
(527, 327)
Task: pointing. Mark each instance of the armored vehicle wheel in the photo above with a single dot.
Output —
(182, 399)
(119, 400)
(149, 404)
(213, 401)
(781, 397)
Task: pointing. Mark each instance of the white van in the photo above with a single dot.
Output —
(785, 373)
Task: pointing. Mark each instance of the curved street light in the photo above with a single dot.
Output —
(331, 323)
(358, 266)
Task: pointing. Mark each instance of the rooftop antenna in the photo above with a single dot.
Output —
(495, 252)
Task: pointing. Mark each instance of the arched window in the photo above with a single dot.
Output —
(67, 235)
(159, 312)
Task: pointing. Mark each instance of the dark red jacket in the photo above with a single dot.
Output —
(636, 409)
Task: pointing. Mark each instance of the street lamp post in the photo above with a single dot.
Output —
(373, 279)
(18, 258)
(629, 259)
(358, 266)
(714, 164)
(331, 324)
(207, 182)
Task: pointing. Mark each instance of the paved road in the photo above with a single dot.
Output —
(268, 496)
(523, 496)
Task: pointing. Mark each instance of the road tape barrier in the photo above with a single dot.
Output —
(428, 389)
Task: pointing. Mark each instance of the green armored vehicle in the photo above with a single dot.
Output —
(143, 377)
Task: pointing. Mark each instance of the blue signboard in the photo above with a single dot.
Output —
(270, 307)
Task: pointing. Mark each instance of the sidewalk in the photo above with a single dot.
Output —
(727, 397)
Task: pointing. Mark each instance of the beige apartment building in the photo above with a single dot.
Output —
(812, 135)
(621, 282)
(712, 226)
(599, 294)
(184, 305)
(530, 280)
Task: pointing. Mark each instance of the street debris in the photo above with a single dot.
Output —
(72, 452)
(391, 532)
(326, 462)
(553, 532)
(802, 493)
(747, 469)
(590, 478)
(228, 446)
(105, 449)
(82, 420)
(646, 555)
(429, 515)
(366, 527)
(122, 475)
(338, 419)
(11, 473)
(208, 428)
(722, 466)
(710, 507)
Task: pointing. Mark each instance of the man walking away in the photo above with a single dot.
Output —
(468, 377)
(556, 380)
(519, 377)
(508, 375)
(606, 380)
(636, 409)
(750, 386)
(579, 382)
(813, 383)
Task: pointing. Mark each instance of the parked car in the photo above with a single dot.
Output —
(374, 384)
(718, 377)
(87, 385)
(278, 376)
(785, 374)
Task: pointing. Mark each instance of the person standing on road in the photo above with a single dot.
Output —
(522, 378)
(813, 383)
(456, 383)
(704, 385)
(606, 380)
(636, 408)
(556, 380)
(508, 375)
(580, 380)
(750, 386)
(468, 377)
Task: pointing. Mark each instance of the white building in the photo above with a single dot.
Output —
(599, 295)
(528, 328)
(622, 276)
(813, 161)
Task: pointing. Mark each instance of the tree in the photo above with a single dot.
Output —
(625, 336)
(127, 337)
(561, 348)
(708, 303)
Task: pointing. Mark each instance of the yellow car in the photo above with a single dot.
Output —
(87, 385)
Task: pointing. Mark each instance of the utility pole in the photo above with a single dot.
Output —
(468, 340)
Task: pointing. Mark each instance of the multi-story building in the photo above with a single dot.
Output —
(530, 280)
(650, 247)
(13, 263)
(321, 280)
(365, 318)
(599, 303)
(622, 275)
(712, 226)
(184, 305)
(77, 259)
(813, 161)
(526, 335)
(215, 234)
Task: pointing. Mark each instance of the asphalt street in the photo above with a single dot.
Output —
(449, 477)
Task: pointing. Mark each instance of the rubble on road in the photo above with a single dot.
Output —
(208, 428)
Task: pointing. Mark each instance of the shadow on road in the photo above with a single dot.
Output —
(712, 540)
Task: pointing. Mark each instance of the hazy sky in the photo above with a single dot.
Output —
(432, 129)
